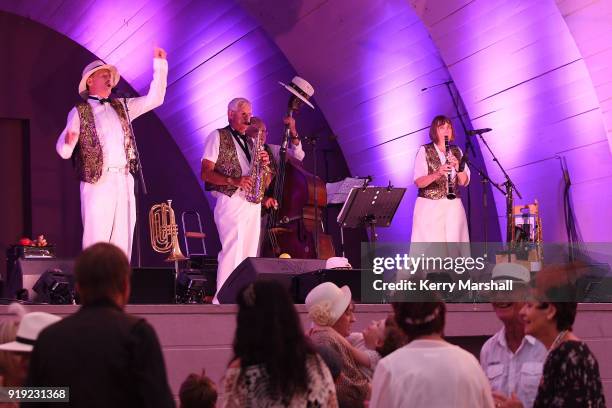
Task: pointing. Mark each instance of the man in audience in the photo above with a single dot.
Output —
(107, 357)
(512, 360)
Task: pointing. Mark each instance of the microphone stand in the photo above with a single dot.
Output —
(136, 189)
(326, 162)
(312, 141)
(468, 147)
(485, 179)
(510, 189)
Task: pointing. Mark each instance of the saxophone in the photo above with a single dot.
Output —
(258, 174)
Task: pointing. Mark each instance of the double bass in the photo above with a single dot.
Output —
(295, 227)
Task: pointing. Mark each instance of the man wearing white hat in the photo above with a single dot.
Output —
(302, 91)
(226, 165)
(99, 140)
(512, 361)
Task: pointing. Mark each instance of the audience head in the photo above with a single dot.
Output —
(507, 305)
(421, 318)
(25, 334)
(393, 338)
(198, 391)
(269, 332)
(374, 334)
(553, 308)
(329, 305)
(102, 273)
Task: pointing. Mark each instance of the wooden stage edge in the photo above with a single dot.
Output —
(194, 337)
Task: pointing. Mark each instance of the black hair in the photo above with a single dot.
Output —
(269, 333)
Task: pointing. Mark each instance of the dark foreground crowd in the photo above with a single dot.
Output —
(109, 358)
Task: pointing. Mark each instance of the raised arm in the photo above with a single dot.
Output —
(157, 89)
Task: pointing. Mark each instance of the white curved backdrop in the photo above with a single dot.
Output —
(535, 71)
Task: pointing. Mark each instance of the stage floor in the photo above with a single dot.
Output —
(196, 337)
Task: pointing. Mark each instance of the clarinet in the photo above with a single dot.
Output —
(450, 186)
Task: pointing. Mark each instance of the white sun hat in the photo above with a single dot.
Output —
(29, 328)
(327, 302)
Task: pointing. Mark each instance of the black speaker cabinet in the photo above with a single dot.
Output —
(251, 269)
(28, 271)
(152, 286)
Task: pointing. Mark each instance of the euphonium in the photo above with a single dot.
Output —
(258, 173)
(164, 231)
(450, 184)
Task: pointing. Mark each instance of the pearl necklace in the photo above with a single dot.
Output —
(558, 339)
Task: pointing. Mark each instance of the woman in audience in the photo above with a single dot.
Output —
(10, 370)
(378, 340)
(428, 371)
(274, 363)
(13, 367)
(571, 373)
(331, 311)
(393, 338)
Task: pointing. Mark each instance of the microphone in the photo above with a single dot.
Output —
(433, 86)
(478, 131)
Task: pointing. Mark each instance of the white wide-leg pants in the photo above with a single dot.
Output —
(238, 225)
(108, 210)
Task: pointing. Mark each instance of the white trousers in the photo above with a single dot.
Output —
(439, 229)
(108, 210)
(441, 220)
(238, 225)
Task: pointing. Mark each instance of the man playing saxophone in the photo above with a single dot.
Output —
(226, 168)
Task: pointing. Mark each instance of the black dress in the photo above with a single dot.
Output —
(570, 378)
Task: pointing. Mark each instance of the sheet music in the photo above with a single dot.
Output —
(338, 192)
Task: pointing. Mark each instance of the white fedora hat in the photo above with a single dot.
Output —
(337, 262)
(508, 270)
(300, 88)
(93, 67)
(29, 328)
(327, 302)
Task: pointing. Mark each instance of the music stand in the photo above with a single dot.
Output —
(371, 206)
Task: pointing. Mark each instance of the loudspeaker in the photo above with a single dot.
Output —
(251, 269)
(28, 271)
(152, 286)
(304, 283)
(208, 265)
